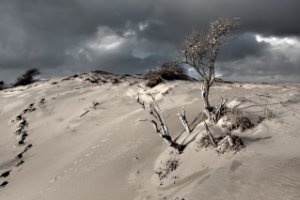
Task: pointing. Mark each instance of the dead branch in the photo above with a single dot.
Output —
(160, 119)
(86, 112)
(159, 123)
(184, 121)
(153, 100)
(219, 111)
(264, 95)
(142, 103)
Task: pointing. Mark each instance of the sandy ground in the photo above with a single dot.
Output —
(78, 149)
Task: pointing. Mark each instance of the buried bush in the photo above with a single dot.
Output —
(27, 77)
(167, 71)
(224, 143)
(234, 119)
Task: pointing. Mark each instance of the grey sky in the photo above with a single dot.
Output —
(131, 36)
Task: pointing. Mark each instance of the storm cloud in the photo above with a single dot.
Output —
(131, 36)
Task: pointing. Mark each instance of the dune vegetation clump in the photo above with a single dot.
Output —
(233, 119)
(223, 143)
(167, 71)
(27, 78)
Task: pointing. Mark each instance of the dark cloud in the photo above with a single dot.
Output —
(241, 46)
(132, 35)
(278, 61)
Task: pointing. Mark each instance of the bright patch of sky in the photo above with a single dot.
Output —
(278, 41)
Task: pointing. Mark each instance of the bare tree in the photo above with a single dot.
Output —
(200, 51)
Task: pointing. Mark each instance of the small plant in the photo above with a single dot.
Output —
(234, 119)
(27, 77)
(166, 168)
(95, 105)
(223, 143)
(42, 103)
(269, 114)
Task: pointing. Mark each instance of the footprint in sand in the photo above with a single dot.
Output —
(5, 174)
(3, 184)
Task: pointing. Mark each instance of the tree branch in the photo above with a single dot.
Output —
(184, 121)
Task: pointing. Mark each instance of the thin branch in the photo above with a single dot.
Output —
(184, 121)
(220, 110)
(142, 103)
(153, 100)
(86, 112)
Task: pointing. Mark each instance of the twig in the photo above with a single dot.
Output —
(86, 112)
(264, 95)
(220, 111)
(184, 121)
(153, 99)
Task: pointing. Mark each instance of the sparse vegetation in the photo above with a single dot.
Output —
(27, 77)
(234, 119)
(166, 167)
(42, 104)
(95, 105)
(223, 143)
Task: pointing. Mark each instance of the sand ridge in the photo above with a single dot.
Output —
(83, 151)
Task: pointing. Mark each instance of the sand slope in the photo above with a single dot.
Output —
(85, 151)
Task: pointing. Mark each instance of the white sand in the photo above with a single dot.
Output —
(109, 154)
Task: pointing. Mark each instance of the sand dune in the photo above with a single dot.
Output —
(82, 137)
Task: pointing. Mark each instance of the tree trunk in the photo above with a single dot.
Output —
(204, 93)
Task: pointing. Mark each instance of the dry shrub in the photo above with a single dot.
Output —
(234, 119)
(243, 123)
(167, 71)
(27, 78)
(153, 79)
(167, 167)
(238, 144)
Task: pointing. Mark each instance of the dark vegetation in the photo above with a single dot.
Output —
(2, 85)
(27, 78)
(237, 143)
(167, 71)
